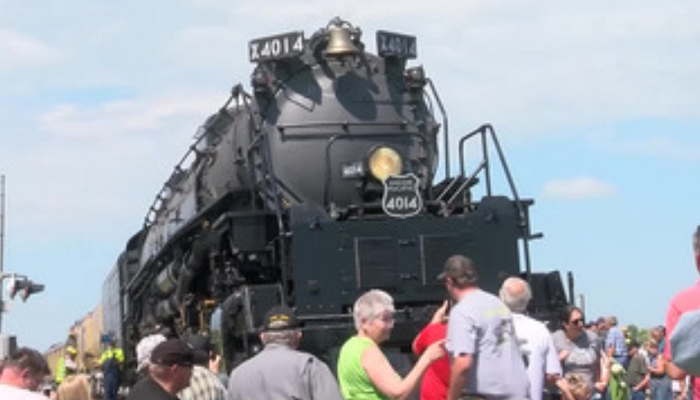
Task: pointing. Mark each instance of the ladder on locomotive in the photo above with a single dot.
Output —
(260, 163)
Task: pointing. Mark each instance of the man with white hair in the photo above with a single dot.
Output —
(536, 344)
(143, 352)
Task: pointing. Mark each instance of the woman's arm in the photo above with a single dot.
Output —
(674, 371)
(387, 381)
(604, 372)
(660, 365)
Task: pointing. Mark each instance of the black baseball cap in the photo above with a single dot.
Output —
(280, 318)
(173, 352)
(201, 346)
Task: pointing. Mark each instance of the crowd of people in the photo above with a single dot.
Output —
(477, 346)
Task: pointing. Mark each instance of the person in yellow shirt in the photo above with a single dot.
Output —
(112, 360)
(67, 364)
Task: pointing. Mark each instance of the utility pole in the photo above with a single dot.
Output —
(2, 243)
(17, 283)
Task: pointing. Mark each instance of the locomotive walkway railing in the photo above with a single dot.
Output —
(445, 125)
(486, 132)
(179, 170)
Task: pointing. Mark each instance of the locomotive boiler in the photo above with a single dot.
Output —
(313, 186)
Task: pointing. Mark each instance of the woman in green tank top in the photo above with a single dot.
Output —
(364, 373)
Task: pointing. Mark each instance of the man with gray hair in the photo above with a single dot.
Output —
(280, 371)
(615, 343)
(536, 344)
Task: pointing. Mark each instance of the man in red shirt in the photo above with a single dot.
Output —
(685, 300)
(437, 377)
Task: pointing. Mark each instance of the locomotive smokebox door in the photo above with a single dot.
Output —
(402, 198)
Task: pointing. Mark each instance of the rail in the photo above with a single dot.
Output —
(486, 132)
(445, 125)
(179, 170)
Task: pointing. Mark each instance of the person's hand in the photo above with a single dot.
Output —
(215, 363)
(435, 350)
(441, 313)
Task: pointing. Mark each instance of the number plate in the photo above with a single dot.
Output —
(391, 44)
(276, 47)
(402, 198)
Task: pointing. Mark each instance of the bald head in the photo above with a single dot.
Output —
(516, 294)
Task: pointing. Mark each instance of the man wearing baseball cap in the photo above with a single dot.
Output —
(170, 370)
(484, 352)
(204, 384)
(280, 371)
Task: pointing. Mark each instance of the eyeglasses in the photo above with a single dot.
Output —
(387, 317)
(578, 321)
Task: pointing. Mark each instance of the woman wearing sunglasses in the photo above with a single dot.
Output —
(579, 350)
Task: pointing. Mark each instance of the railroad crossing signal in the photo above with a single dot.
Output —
(24, 287)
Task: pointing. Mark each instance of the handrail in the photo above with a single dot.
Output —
(446, 135)
(262, 144)
(178, 169)
(485, 132)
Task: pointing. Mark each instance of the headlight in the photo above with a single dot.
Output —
(384, 162)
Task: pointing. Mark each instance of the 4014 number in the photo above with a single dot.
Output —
(276, 47)
(402, 203)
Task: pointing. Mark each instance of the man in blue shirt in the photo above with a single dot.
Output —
(615, 344)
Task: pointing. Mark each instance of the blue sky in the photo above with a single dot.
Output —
(597, 105)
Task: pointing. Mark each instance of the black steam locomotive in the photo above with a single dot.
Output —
(313, 187)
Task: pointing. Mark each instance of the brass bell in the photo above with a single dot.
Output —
(339, 43)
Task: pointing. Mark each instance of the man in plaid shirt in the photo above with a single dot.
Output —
(204, 384)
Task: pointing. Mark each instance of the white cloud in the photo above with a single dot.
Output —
(19, 50)
(664, 147)
(100, 162)
(119, 118)
(658, 139)
(551, 67)
(578, 188)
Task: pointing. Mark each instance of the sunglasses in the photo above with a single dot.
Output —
(578, 321)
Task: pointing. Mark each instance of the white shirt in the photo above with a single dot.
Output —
(8, 392)
(537, 347)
